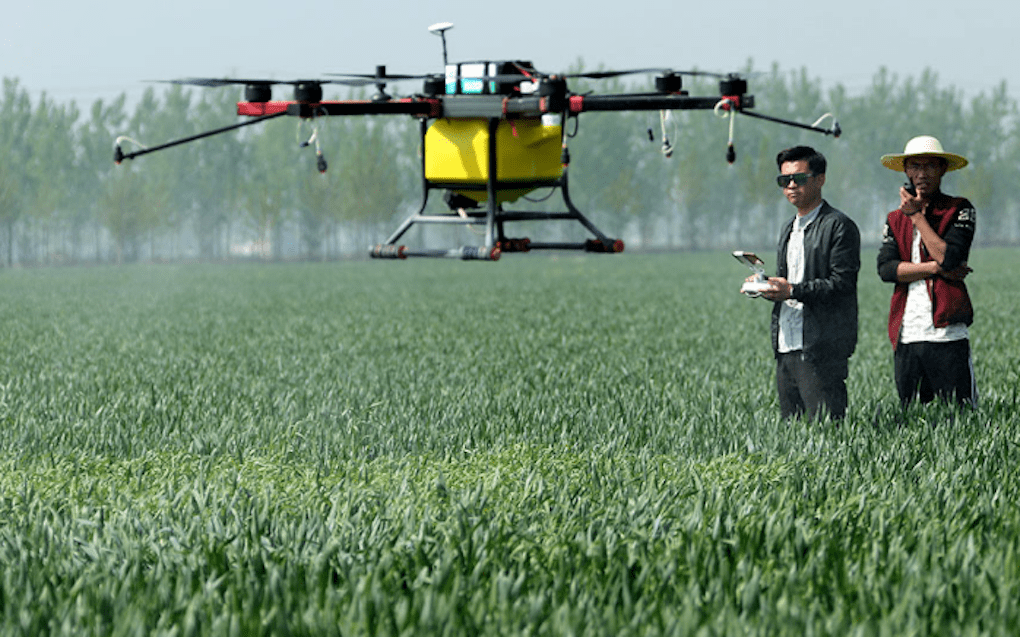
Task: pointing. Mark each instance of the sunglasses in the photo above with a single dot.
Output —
(797, 178)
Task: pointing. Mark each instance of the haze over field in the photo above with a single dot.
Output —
(100, 49)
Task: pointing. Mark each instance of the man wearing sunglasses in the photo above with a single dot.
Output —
(814, 318)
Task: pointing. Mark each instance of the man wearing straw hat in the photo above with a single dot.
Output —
(925, 246)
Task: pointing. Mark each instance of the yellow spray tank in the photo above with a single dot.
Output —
(527, 150)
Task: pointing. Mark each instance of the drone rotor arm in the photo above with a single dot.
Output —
(119, 155)
(643, 102)
(833, 130)
(406, 106)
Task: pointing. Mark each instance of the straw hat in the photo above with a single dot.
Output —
(923, 146)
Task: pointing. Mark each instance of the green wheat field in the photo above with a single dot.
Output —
(548, 445)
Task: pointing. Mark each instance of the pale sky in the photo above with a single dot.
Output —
(86, 50)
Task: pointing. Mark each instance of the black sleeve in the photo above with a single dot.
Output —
(888, 256)
(959, 236)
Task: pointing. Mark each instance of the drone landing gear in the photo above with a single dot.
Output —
(496, 240)
(601, 243)
(493, 218)
(464, 253)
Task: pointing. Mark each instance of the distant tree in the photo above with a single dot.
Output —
(993, 145)
(50, 163)
(10, 208)
(219, 172)
(94, 169)
(372, 174)
(15, 120)
(316, 214)
(611, 178)
(130, 210)
(268, 189)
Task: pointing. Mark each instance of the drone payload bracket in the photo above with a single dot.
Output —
(494, 217)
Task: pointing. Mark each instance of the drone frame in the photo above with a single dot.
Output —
(550, 98)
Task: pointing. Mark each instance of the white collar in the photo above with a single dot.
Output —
(803, 221)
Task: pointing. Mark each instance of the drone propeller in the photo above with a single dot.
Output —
(379, 79)
(667, 80)
(362, 79)
(216, 82)
(671, 81)
(305, 90)
(259, 90)
(598, 75)
(604, 75)
(532, 74)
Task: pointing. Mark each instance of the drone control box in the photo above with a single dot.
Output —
(758, 282)
(483, 78)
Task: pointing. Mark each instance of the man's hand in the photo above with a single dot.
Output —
(749, 279)
(910, 204)
(957, 274)
(781, 289)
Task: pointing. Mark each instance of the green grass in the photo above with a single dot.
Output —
(547, 445)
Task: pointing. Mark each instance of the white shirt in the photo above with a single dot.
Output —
(918, 324)
(791, 312)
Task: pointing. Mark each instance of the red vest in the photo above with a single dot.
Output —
(949, 299)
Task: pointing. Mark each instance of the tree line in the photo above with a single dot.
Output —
(256, 192)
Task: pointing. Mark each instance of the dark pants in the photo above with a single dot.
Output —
(811, 388)
(928, 370)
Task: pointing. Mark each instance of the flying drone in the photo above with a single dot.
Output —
(491, 132)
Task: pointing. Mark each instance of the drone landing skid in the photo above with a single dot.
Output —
(493, 217)
(497, 241)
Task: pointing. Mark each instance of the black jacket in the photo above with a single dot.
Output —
(832, 259)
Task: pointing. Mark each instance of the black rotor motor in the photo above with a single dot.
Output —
(257, 93)
(308, 92)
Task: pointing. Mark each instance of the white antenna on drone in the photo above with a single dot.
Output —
(440, 29)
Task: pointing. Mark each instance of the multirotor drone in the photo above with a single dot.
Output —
(491, 132)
